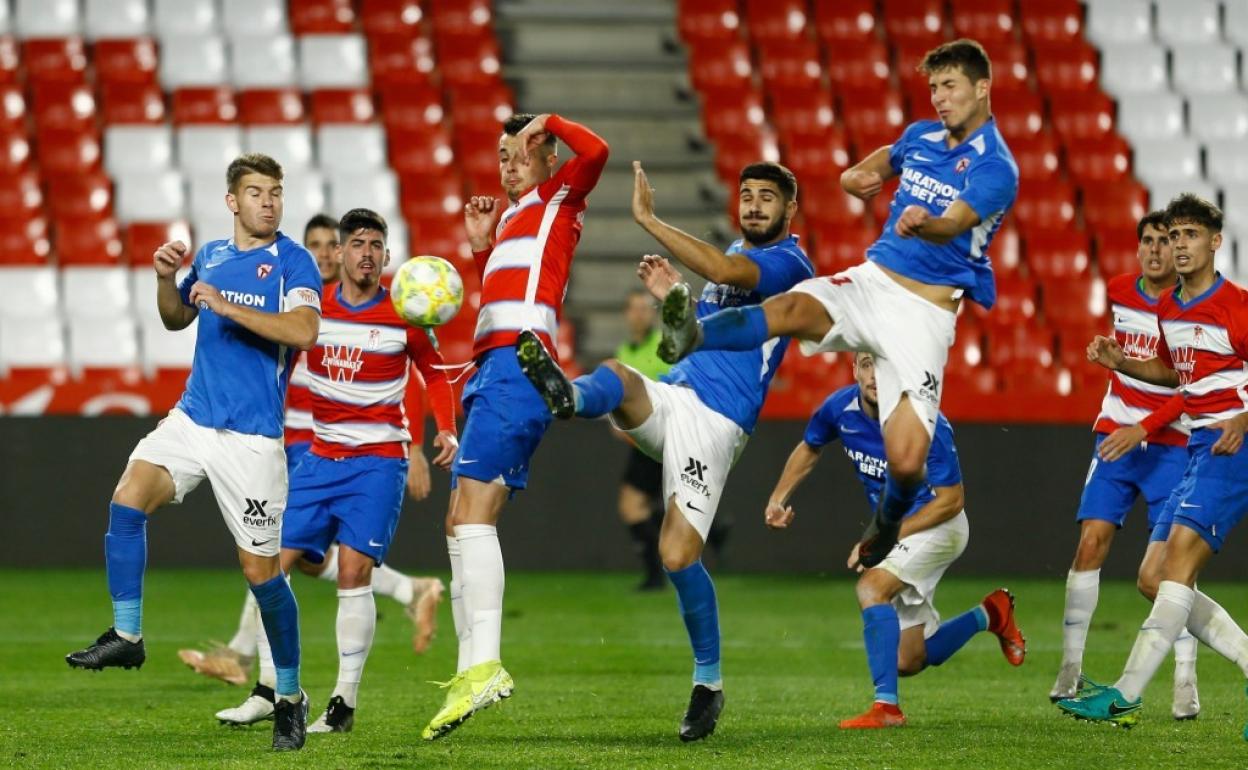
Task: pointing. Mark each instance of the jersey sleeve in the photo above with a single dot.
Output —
(414, 405)
(424, 354)
(822, 430)
(1163, 415)
(301, 280)
(184, 286)
(991, 186)
(580, 173)
(943, 469)
(779, 269)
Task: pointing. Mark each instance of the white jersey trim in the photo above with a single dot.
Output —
(548, 221)
(358, 393)
(516, 316)
(359, 433)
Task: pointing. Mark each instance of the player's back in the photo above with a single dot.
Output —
(1206, 341)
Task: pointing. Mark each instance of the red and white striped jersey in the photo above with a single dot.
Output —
(524, 276)
(299, 403)
(1129, 401)
(1205, 340)
(358, 377)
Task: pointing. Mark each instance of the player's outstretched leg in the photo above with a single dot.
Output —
(881, 635)
(125, 553)
(230, 663)
(695, 594)
(280, 615)
(792, 313)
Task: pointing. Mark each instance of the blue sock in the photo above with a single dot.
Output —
(695, 595)
(598, 393)
(125, 556)
(898, 498)
(280, 615)
(882, 634)
(954, 634)
(737, 328)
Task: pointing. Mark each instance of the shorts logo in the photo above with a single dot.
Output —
(692, 476)
(930, 389)
(255, 516)
(342, 362)
(262, 271)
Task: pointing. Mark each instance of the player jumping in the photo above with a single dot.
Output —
(958, 180)
(900, 624)
(697, 417)
(257, 297)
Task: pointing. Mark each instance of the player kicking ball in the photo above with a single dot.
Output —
(1202, 351)
(349, 487)
(696, 418)
(900, 624)
(258, 298)
(958, 180)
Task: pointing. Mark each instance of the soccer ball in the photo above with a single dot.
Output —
(427, 291)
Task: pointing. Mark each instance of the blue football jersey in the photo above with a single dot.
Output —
(979, 171)
(734, 382)
(841, 416)
(238, 379)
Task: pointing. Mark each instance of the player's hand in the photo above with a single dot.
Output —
(206, 297)
(447, 445)
(778, 516)
(481, 214)
(418, 482)
(1106, 351)
(168, 258)
(1120, 442)
(658, 275)
(1232, 438)
(863, 185)
(643, 195)
(854, 560)
(532, 136)
(911, 220)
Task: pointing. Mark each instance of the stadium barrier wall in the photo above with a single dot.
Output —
(1022, 490)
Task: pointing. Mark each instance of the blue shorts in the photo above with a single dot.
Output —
(354, 501)
(1151, 471)
(504, 421)
(1212, 496)
(295, 453)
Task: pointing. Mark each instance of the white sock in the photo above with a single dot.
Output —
(1163, 625)
(1082, 591)
(330, 572)
(1185, 657)
(1213, 625)
(357, 620)
(244, 641)
(268, 671)
(388, 581)
(459, 611)
(482, 558)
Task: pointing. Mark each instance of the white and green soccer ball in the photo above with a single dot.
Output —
(427, 291)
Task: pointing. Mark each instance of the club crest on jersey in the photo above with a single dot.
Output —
(1198, 334)
(962, 165)
(374, 338)
(263, 270)
(342, 362)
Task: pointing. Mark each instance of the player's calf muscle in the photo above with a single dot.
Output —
(796, 315)
(1095, 538)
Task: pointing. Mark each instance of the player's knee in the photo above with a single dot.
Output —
(355, 575)
(1147, 583)
(908, 466)
(871, 590)
(1092, 550)
(911, 663)
(677, 556)
(260, 570)
(784, 311)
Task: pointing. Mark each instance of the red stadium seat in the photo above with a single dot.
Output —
(88, 242)
(824, 202)
(861, 63)
(1011, 66)
(1016, 303)
(840, 247)
(1044, 385)
(968, 385)
(844, 21)
(1096, 161)
(123, 102)
(817, 159)
(1020, 348)
(10, 61)
(1005, 251)
(125, 61)
(270, 106)
(734, 152)
(1018, 113)
(411, 106)
(420, 151)
(55, 60)
(1117, 252)
(1062, 68)
(143, 238)
(423, 197)
(446, 238)
(1036, 155)
(776, 20)
(20, 196)
(1051, 206)
(319, 17)
(461, 16)
(968, 350)
(1052, 21)
(204, 105)
(63, 105)
(1058, 254)
(732, 111)
(476, 155)
(12, 109)
(485, 105)
(391, 17)
(469, 61)
(983, 20)
(873, 118)
(24, 241)
(1114, 207)
(802, 112)
(80, 196)
(881, 204)
(1079, 303)
(342, 105)
(15, 152)
(715, 21)
(720, 65)
(65, 151)
(1081, 115)
(790, 64)
(399, 60)
(1073, 339)
(915, 21)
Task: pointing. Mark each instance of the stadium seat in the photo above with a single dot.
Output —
(342, 105)
(1098, 161)
(844, 21)
(262, 61)
(715, 65)
(816, 159)
(193, 18)
(1072, 348)
(826, 203)
(420, 152)
(1081, 116)
(1117, 251)
(87, 242)
(55, 60)
(353, 148)
(192, 61)
(102, 343)
(967, 351)
(1006, 249)
(141, 240)
(1075, 303)
(734, 111)
(321, 17)
(1205, 68)
(63, 105)
(983, 20)
(254, 17)
(1120, 21)
(24, 242)
(10, 61)
(65, 151)
(861, 63)
(468, 61)
(204, 105)
(1170, 160)
(421, 106)
(802, 113)
(375, 189)
(290, 145)
(1052, 206)
(1133, 68)
(303, 196)
(208, 148)
(1162, 192)
(1037, 156)
(708, 20)
(1217, 117)
(400, 61)
(792, 64)
(1018, 113)
(95, 291)
(205, 193)
(32, 343)
(146, 196)
(424, 197)
(124, 61)
(1188, 21)
(212, 224)
(164, 349)
(1064, 67)
(270, 106)
(914, 21)
(391, 17)
(108, 19)
(1020, 348)
(779, 21)
(1053, 21)
(1057, 254)
(840, 247)
(20, 196)
(872, 113)
(333, 61)
(482, 105)
(131, 103)
(28, 292)
(1235, 202)
(46, 18)
(1235, 24)
(78, 196)
(1150, 116)
(1114, 207)
(137, 148)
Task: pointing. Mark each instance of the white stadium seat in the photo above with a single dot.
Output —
(188, 61)
(303, 196)
(164, 349)
(212, 225)
(31, 343)
(6, 18)
(28, 292)
(1187, 21)
(351, 148)
(1204, 69)
(208, 148)
(1227, 161)
(95, 292)
(1161, 193)
(46, 18)
(1119, 21)
(377, 190)
(1169, 160)
(262, 61)
(289, 145)
(254, 17)
(396, 241)
(206, 193)
(1133, 68)
(137, 148)
(115, 18)
(1235, 25)
(333, 61)
(143, 291)
(185, 17)
(148, 196)
(1235, 205)
(1220, 116)
(103, 343)
(1150, 116)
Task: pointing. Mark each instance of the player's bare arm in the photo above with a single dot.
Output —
(918, 222)
(1108, 353)
(703, 258)
(419, 482)
(293, 328)
(481, 214)
(532, 136)
(865, 179)
(779, 514)
(174, 313)
(1232, 438)
(658, 275)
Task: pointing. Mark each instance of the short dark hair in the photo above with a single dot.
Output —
(362, 219)
(771, 172)
(965, 54)
(1190, 207)
(513, 125)
(320, 221)
(1155, 219)
(251, 163)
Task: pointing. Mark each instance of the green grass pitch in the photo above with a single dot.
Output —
(602, 679)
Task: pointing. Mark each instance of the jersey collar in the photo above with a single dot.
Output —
(1188, 304)
(363, 305)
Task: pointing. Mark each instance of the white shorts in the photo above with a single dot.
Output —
(247, 473)
(696, 445)
(920, 561)
(908, 335)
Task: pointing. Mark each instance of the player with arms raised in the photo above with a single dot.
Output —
(524, 255)
(257, 297)
(958, 180)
